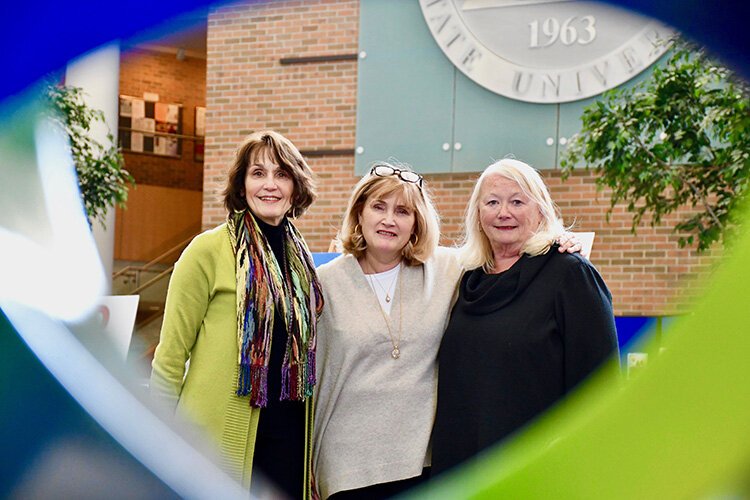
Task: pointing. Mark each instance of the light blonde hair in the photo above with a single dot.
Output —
(426, 234)
(476, 250)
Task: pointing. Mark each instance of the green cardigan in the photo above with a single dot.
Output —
(200, 326)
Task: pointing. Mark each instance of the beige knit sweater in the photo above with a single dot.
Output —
(374, 414)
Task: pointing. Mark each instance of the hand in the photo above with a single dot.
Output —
(570, 243)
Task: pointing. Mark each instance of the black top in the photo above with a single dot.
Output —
(516, 342)
(280, 442)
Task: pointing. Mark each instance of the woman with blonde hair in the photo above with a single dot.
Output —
(388, 298)
(242, 307)
(529, 324)
(387, 301)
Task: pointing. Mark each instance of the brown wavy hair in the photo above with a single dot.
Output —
(289, 159)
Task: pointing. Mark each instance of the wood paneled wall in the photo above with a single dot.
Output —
(155, 220)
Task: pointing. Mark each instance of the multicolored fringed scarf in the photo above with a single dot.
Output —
(262, 286)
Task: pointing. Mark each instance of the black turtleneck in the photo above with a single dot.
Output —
(280, 442)
(275, 237)
(515, 344)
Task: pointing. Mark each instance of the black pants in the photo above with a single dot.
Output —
(280, 446)
(383, 490)
(279, 452)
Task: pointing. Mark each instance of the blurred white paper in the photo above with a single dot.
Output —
(200, 121)
(136, 142)
(126, 106)
(587, 242)
(144, 124)
(173, 113)
(160, 147)
(138, 108)
(171, 146)
(117, 316)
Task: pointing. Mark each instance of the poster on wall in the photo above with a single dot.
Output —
(200, 132)
(146, 125)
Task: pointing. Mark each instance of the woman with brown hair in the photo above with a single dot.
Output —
(241, 308)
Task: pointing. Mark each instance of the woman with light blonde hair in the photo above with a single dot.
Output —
(476, 249)
(529, 323)
(388, 298)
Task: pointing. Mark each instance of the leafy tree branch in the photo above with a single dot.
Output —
(680, 138)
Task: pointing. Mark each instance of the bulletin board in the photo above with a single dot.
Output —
(145, 124)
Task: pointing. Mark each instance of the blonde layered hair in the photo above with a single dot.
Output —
(476, 250)
(426, 233)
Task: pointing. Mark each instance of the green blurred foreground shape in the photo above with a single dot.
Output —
(679, 428)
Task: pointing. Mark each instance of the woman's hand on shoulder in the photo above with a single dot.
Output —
(570, 243)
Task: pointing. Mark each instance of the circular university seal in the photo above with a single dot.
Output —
(545, 51)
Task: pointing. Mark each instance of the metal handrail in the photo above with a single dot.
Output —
(153, 280)
(156, 260)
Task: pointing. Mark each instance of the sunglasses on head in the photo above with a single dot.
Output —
(404, 175)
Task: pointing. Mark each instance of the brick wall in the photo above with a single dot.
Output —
(315, 106)
(178, 82)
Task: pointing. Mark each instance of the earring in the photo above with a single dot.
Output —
(358, 238)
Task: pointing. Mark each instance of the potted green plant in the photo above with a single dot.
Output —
(102, 177)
